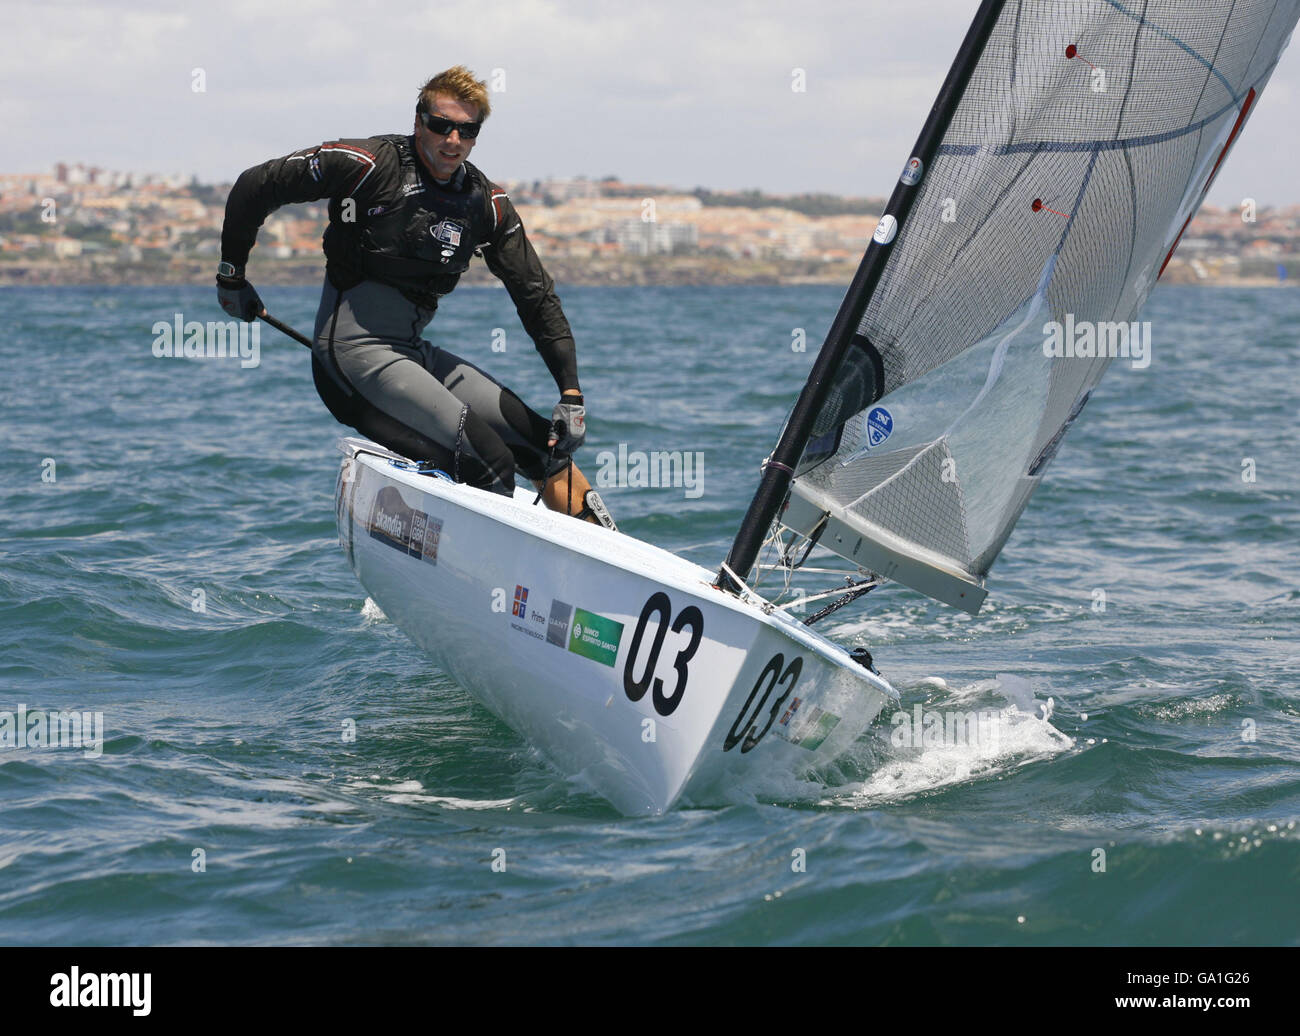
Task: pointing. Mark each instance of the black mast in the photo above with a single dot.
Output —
(779, 470)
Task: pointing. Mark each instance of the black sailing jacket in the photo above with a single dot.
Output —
(390, 221)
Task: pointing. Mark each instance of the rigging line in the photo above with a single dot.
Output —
(843, 573)
(740, 582)
(813, 537)
(833, 592)
(852, 595)
(787, 568)
(772, 543)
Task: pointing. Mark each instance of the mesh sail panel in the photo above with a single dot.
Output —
(1082, 146)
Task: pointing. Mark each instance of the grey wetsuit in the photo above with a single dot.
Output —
(376, 374)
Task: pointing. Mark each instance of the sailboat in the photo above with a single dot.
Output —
(1068, 149)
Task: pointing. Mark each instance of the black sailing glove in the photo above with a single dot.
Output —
(238, 297)
(568, 425)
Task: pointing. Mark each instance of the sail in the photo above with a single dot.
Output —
(1080, 148)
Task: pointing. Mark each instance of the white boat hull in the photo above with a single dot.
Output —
(618, 660)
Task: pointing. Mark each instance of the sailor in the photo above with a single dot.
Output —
(406, 214)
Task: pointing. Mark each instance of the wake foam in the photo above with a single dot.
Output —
(936, 740)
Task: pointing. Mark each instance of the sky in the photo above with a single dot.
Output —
(674, 92)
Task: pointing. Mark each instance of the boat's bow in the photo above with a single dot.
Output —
(619, 661)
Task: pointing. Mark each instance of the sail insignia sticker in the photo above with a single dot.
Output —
(880, 422)
(912, 172)
(885, 230)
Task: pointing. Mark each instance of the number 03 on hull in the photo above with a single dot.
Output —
(619, 661)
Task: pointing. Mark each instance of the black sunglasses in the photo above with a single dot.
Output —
(443, 127)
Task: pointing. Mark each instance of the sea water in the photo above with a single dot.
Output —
(279, 763)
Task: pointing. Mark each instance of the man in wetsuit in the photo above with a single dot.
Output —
(406, 213)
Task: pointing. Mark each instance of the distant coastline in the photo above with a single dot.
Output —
(84, 225)
(615, 270)
(610, 271)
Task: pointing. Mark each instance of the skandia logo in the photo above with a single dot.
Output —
(395, 523)
(1089, 340)
(389, 523)
(73, 989)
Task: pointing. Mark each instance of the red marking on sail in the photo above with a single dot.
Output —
(1072, 52)
(1038, 206)
(1236, 129)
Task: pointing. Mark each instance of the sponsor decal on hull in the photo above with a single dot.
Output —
(557, 626)
(395, 523)
(807, 729)
(594, 636)
(527, 620)
(585, 633)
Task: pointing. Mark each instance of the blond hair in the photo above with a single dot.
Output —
(459, 82)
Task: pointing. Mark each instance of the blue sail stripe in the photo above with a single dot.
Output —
(1100, 145)
(1142, 20)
